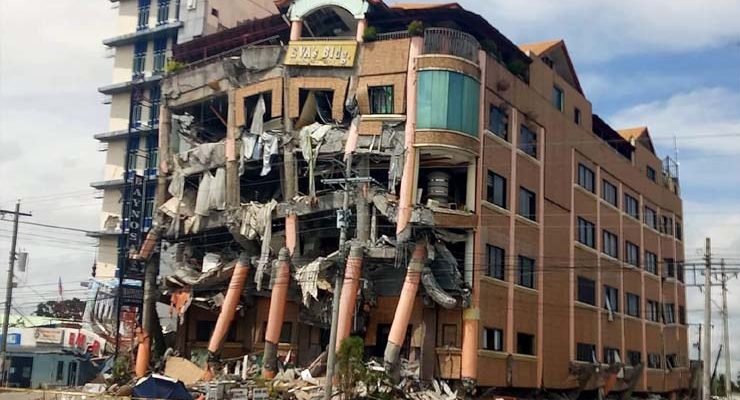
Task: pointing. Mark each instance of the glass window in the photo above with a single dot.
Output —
(160, 55)
(528, 141)
(633, 305)
(632, 254)
(611, 298)
(610, 244)
(140, 49)
(609, 193)
(586, 178)
(679, 230)
(611, 355)
(634, 358)
(557, 98)
(496, 189)
(586, 233)
(631, 206)
(577, 116)
(671, 361)
(669, 268)
(586, 291)
(448, 100)
(682, 315)
(669, 313)
(498, 122)
(381, 99)
(496, 262)
(143, 15)
(527, 204)
(586, 352)
(651, 218)
(654, 361)
(493, 339)
(652, 313)
(666, 225)
(526, 272)
(60, 370)
(163, 11)
(651, 173)
(524, 343)
(651, 262)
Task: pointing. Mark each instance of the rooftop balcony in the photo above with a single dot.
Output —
(451, 42)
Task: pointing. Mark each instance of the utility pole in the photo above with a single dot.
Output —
(726, 333)
(707, 345)
(9, 286)
(343, 222)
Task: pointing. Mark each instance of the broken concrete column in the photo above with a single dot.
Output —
(348, 298)
(232, 160)
(277, 314)
(291, 232)
(407, 195)
(150, 243)
(469, 361)
(405, 306)
(228, 309)
(143, 353)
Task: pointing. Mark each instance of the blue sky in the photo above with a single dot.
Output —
(673, 65)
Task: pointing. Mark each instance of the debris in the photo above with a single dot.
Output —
(183, 370)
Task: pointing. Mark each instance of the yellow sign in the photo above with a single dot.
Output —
(321, 53)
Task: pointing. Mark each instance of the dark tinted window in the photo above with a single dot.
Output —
(496, 189)
(498, 122)
(609, 193)
(610, 244)
(496, 262)
(586, 178)
(526, 272)
(527, 204)
(631, 206)
(586, 232)
(525, 343)
(528, 141)
(586, 291)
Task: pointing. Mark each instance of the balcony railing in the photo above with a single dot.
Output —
(452, 42)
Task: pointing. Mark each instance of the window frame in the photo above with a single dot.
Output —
(651, 174)
(609, 244)
(631, 206)
(505, 119)
(500, 267)
(654, 361)
(530, 146)
(632, 254)
(586, 290)
(650, 217)
(495, 333)
(577, 115)
(524, 277)
(582, 349)
(611, 355)
(586, 178)
(652, 312)
(531, 205)
(611, 294)
(669, 313)
(491, 189)
(628, 309)
(586, 227)
(388, 98)
(651, 262)
(604, 184)
(530, 338)
(631, 358)
(558, 98)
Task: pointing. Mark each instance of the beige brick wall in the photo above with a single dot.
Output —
(274, 85)
(449, 63)
(384, 57)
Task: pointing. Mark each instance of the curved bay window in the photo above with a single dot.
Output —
(328, 22)
(448, 100)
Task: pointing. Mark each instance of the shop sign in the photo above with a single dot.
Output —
(321, 53)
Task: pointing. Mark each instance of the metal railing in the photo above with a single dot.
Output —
(452, 42)
(393, 35)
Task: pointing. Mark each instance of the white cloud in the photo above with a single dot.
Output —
(601, 30)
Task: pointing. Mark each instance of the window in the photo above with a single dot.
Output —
(214, 12)
(652, 313)
(586, 352)
(286, 332)
(524, 343)
(669, 268)
(152, 152)
(679, 231)
(493, 339)
(498, 122)
(634, 358)
(666, 225)
(526, 272)
(447, 100)
(143, 16)
(632, 254)
(528, 141)
(496, 189)
(586, 233)
(682, 315)
(671, 361)
(557, 98)
(654, 361)
(60, 370)
(633, 305)
(204, 329)
(163, 11)
(136, 114)
(586, 291)
(650, 171)
(679, 271)
(496, 262)
(651, 218)
(586, 178)
(155, 94)
(160, 55)
(527, 204)
(611, 298)
(669, 313)
(651, 262)
(631, 206)
(139, 59)
(577, 116)
(381, 99)
(611, 355)
(449, 335)
(610, 245)
(609, 193)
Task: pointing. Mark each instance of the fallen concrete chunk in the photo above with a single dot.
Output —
(183, 370)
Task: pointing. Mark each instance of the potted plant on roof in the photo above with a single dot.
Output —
(416, 28)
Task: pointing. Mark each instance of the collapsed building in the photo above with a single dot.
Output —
(444, 172)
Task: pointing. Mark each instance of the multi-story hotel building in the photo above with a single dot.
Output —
(508, 236)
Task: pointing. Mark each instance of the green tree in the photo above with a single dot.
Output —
(65, 309)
